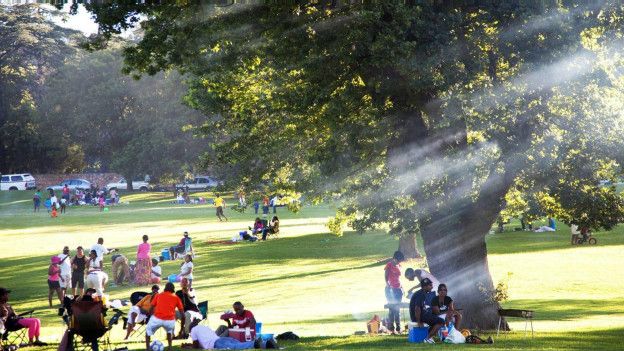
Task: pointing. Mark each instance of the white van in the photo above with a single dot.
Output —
(21, 181)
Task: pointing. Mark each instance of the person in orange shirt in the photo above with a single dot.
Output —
(54, 213)
(163, 314)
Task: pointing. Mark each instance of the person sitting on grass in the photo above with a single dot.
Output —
(241, 318)
(205, 338)
(156, 272)
(444, 307)
(186, 270)
(191, 311)
(11, 321)
(420, 310)
(139, 312)
(163, 314)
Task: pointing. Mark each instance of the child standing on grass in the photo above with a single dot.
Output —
(54, 213)
(54, 278)
(101, 202)
(37, 200)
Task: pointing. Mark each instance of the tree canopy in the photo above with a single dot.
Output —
(418, 115)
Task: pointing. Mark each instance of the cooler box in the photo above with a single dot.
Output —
(165, 254)
(239, 334)
(417, 334)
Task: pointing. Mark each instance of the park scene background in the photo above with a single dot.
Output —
(423, 126)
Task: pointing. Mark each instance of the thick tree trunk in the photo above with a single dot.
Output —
(454, 243)
(459, 260)
(407, 245)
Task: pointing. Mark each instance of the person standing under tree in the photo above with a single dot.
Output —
(220, 204)
(394, 291)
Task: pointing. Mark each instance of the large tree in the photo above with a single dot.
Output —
(124, 125)
(418, 115)
(31, 49)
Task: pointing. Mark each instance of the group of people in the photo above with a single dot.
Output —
(161, 310)
(425, 306)
(74, 272)
(54, 205)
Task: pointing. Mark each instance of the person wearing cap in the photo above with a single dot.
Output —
(12, 321)
(394, 291)
(54, 279)
(139, 312)
(420, 309)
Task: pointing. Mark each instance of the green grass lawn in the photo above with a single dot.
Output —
(320, 286)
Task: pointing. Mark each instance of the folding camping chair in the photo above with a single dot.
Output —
(203, 309)
(188, 249)
(139, 328)
(87, 321)
(16, 334)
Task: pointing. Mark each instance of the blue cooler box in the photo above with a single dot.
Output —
(165, 254)
(417, 334)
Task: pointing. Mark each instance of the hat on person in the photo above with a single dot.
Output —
(426, 281)
(55, 259)
(4, 291)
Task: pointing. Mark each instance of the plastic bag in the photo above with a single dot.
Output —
(455, 337)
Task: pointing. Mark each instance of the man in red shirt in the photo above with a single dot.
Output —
(163, 314)
(241, 317)
(394, 291)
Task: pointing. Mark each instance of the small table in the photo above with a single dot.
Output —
(402, 306)
(526, 314)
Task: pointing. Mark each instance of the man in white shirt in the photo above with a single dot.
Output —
(418, 275)
(206, 339)
(65, 270)
(100, 249)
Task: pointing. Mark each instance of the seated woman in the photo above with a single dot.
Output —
(12, 321)
(443, 306)
(272, 229)
(258, 226)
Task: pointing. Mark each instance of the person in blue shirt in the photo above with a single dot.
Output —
(420, 309)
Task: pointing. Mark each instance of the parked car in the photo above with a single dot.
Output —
(199, 183)
(20, 181)
(122, 184)
(72, 184)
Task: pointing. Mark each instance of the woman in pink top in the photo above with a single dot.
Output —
(143, 268)
(54, 278)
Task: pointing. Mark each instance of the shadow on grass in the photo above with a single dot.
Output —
(521, 242)
(609, 339)
(569, 309)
